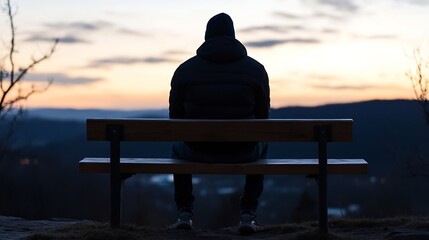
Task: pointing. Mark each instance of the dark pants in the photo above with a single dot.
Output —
(183, 182)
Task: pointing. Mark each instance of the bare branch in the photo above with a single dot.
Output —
(22, 73)
(419, 78)
(15, 77)
(10, 79)
(34, 62)
(12, 42)
(420, 81)
(21, 97)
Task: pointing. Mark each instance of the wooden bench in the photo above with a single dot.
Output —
(172, 130)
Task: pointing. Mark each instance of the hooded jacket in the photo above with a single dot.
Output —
(220, 82)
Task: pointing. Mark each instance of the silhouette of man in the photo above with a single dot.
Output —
(220, 82)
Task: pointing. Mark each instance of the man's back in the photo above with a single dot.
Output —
(220, 82)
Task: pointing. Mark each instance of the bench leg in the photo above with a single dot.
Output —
(323, 207)
(115, 185)
(323, 182)
(114, 133)
(116, 207)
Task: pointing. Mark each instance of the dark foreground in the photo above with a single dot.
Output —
(389, 228)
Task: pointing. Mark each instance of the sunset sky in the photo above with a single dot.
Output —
(122, 54)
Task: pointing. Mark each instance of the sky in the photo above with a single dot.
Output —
(122, 54)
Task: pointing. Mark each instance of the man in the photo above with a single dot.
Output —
(220, 82)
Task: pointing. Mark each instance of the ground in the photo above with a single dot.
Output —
(397, 228)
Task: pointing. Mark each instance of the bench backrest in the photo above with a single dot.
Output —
(196, 130)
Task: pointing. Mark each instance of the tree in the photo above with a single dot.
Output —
(419, 77)
(12, 93)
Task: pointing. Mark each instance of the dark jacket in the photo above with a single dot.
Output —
(220, 82)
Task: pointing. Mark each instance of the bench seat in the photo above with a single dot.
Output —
(263, 166)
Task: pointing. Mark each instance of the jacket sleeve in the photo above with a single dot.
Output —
(177, 97)
(263, 97)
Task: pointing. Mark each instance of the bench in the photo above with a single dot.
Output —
(320, 131)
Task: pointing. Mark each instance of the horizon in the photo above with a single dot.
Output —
(166, 108)
(315, 52)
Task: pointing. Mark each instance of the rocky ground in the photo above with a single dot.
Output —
(398, 228)
(12, 228)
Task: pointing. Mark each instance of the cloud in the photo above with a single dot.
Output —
(382, 37)
(274, 42)
(127, 31)
(320, 77)
(335, 82)
(272, 28)
(286, 15)
(317, 14)
(84, 26)
(66, 39)
(330, 16)
(77, 28)
(329, 31)
(91, 26)
(59, 78)
(417, 2)
(375, 37)
(128, 61)
(344, 87)
(177, 52)
(341, 5)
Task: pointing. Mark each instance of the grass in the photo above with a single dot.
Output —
(340, 229)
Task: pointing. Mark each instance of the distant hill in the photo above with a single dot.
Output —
(82, 114)
(386, 133)
(383, 130)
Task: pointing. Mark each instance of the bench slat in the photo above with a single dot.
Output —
(264, 166)
(192, 130)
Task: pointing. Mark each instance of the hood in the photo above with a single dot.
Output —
(222, 50)
(220, 25)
